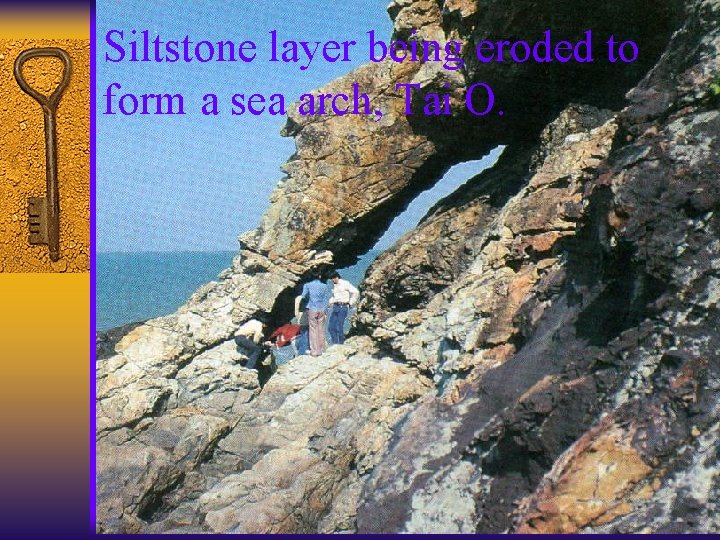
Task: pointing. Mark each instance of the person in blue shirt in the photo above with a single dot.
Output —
(318, 296)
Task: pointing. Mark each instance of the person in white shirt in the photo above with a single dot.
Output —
(252, 329)
(344, 296)
(249, 336)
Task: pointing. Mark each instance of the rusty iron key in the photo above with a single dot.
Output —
(44, 212)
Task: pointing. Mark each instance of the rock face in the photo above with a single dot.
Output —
(221, 461)
(539, 355)
(442, 246)
(513, 250)
(565, 319)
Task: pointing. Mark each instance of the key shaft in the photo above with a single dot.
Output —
(51, 186)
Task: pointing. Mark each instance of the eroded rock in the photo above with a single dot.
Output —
(297, 451)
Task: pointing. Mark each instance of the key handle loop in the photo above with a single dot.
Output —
(50, 102)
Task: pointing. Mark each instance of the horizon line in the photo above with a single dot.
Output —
(98, 252)
(113, 252)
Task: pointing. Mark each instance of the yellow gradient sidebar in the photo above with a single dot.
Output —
(44, 354)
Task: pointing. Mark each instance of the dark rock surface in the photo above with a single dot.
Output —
(617, 367)
(106, 340)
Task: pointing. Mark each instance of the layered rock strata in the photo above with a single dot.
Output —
(591, 391)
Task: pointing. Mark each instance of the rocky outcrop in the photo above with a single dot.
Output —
(467, 333)
(313, 433)
(509, 254)
(442, 246)
(539, 355)
(156, 424)
(614, 301)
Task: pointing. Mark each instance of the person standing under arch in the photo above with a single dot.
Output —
(317, 295)
(344, 296)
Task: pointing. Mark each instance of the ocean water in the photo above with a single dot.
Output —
(135, 287)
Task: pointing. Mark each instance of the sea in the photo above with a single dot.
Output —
(134, 287)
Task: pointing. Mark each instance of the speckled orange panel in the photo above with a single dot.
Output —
(22, 157)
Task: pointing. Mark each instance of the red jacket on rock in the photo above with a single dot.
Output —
(285, 334)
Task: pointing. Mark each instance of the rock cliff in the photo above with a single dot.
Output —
(540, 354)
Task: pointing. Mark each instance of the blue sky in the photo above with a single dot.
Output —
(193, 182)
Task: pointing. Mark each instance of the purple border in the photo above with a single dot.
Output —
(93, 307)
